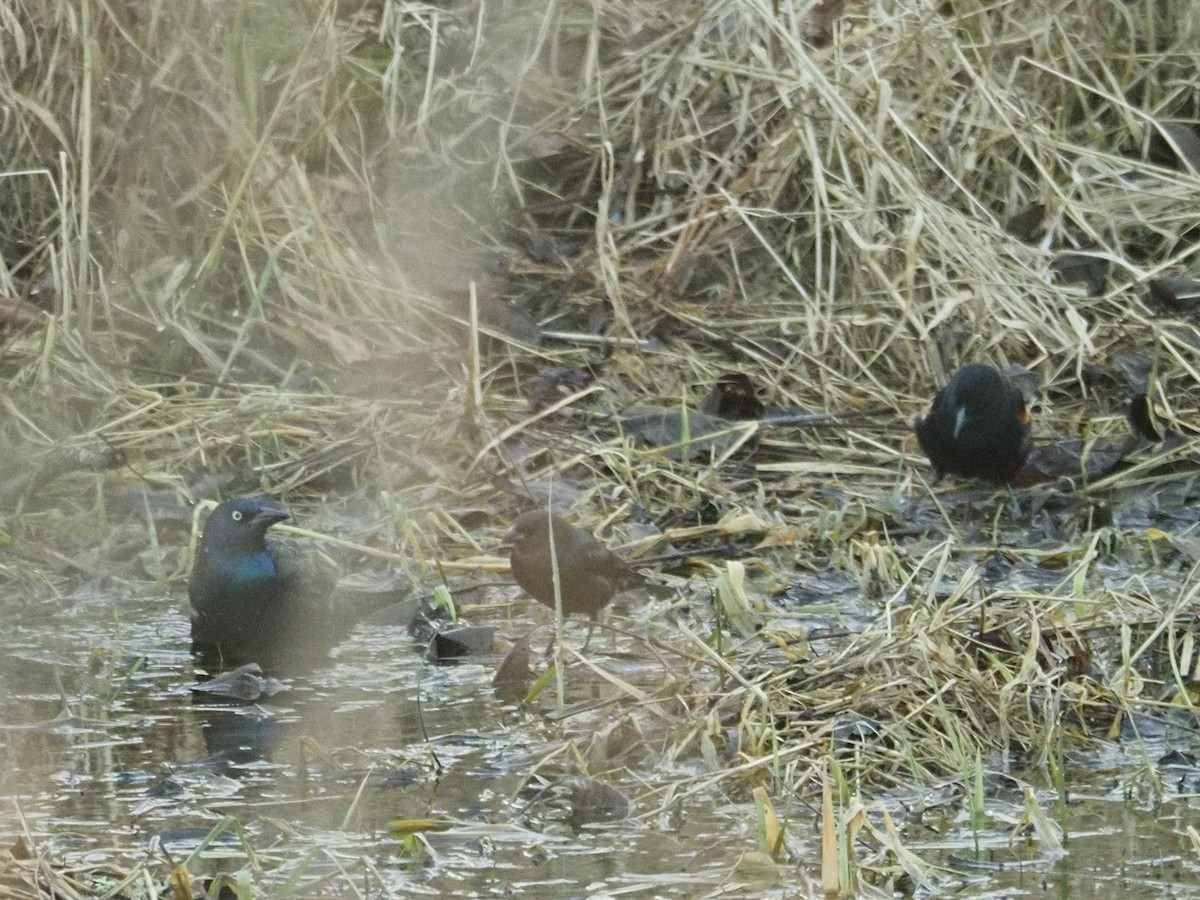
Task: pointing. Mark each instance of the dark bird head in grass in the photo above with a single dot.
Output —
(977, 427)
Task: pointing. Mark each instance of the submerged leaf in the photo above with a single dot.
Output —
(243, 683)
(405, 827)
(594, 801)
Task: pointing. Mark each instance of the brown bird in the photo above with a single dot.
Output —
(589, 574)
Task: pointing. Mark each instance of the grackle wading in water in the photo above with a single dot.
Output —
(270, 602)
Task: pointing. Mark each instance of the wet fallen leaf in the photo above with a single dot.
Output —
(472, 640)
(19, 849)
(1083, 268)
(554, 383)
(1056, 562)
(735, 606)
(1026, 226)
(1135, 368)
(1174, 293)
(1188, 547)
(770, 829)
(1072, 459)
(1173, 144)
(1143, 419)
(181, 883)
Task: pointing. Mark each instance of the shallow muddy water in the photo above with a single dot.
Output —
(107, 755)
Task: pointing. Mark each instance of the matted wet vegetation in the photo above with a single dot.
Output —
(686, 273)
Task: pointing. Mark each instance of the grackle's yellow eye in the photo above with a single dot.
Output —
(236, 515)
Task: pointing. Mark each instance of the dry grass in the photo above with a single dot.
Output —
(311, 240)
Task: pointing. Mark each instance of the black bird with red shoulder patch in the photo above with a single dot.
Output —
(977, 427)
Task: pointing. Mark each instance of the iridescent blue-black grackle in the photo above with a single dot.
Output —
(270, 602)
